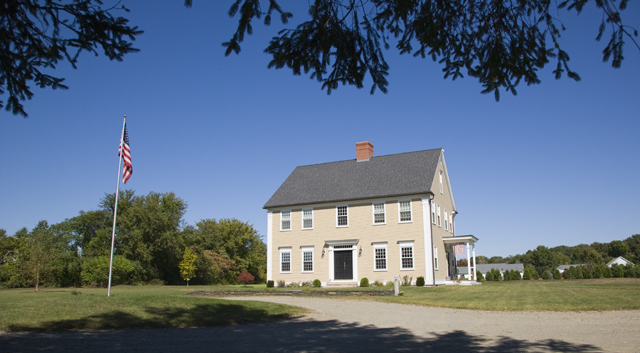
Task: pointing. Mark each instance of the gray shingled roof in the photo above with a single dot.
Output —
(382, 176)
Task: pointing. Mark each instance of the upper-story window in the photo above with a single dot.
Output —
(285, 220)
(307, 218)
(342, 213)
(378, 213)
(433, 212)
(441, 188)
(451, 222)
(439, 218)
(446, 220)
(404, 207)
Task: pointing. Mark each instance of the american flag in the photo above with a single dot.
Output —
(460, 248)
(126, 156)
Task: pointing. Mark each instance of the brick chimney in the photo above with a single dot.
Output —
(364, 151)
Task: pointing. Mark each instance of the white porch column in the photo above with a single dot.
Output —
(429, 275)
(468, 261)
(475, 268)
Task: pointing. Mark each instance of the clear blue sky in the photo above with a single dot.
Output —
(556, 165)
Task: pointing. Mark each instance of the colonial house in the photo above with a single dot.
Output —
(374, 217)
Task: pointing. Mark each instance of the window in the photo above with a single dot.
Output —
(439, 223)
(433, 212)
(307, 219)
(404, 208)
(380, 256)
(441, 189)
(285, 220)
(435, 257)
(406, 255)
(451, 222)
(285, 260)
(378, 213)
(446, 221)
(307, 259)
(342, 216)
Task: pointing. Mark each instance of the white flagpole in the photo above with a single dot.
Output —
(115, 208)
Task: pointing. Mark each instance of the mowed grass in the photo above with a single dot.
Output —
(129, 307)
(563, 295)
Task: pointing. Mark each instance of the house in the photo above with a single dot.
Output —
(373, 216)
(562, 268)
(484, 268)
(619, 261)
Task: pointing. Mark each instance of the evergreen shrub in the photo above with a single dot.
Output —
(317, 283)
(479, 276)
(606, 271)
(597, 271)
(420, 281)
(270, 284)
(556, 274)
(546, 275)
(364, 282)
(586, 272)
(489, 277)
(578, 272)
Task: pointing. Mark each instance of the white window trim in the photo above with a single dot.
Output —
(433, 212)
(286, 250)
(386, 256)
(439, 216)
(304, 249)
(302, 215)
(407, 244)
(338, 206)
(446, 220)
(290, 221)
(410, 211)
(373, 212)
(435, 258)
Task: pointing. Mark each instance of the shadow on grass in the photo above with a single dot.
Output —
(200, 315)
(283, 336)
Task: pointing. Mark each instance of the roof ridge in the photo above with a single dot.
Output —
(384, 155)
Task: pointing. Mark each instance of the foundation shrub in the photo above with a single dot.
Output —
(420, 281)
(281, 283)
(364, 282)
(269, 284)
(317, 283)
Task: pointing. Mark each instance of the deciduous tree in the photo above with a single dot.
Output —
(188, 265)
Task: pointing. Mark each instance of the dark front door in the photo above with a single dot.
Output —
(343, 264)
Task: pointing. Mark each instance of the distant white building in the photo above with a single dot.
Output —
(484, 268)
(619, 261)
(562, 268)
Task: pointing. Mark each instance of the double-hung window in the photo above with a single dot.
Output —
(435, 257)
(433, 212)
(285, 260)
(406, 255)
(380, 256)
(307, 259)
(342, 216)
(441, 188)
(307, 218)
(404, 207)
(446, 220)
(378, 213)
(285, 220)
(451, 222)
(439, 218)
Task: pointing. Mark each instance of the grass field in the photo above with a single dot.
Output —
(565, 295)
(133, 307)
(128, 307)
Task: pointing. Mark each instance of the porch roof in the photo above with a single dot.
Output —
(460, 239)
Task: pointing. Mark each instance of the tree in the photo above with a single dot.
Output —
(39, 249)
(543, 259)
(38, 34)
(246, 278)
(618, 248)
(500, 43)
(188, 265)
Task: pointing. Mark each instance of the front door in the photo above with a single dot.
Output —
(343, 264)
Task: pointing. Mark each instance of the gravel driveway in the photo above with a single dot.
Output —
(339, 325)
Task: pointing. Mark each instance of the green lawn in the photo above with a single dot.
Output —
(128, 307)
(564, 295)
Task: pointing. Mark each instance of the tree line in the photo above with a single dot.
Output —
(593, 256)
(151, 239)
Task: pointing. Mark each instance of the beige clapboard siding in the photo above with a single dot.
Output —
(360, 227)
